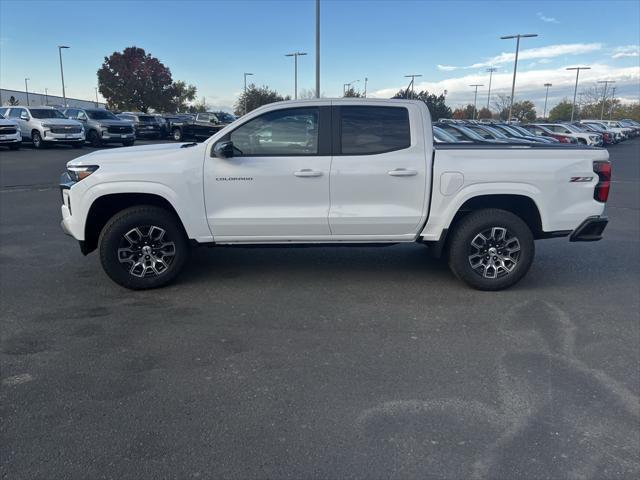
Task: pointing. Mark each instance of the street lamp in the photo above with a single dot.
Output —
(575, 90)
(546, 96)
(295, 56)
(613, 97)
(64, 95)
(413, 79)
(46, 96)
(347, 86)
(475, 98)
(245, 91)
(604, 95)
(317, 48)
(26, 89)
(97, 103)
(365, 86)
(515, 64)
(490, 70)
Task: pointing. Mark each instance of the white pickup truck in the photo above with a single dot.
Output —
(341, 171)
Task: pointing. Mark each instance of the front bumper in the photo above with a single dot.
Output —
(6, 139)
(117, 137)
(590, 230)
(62, 137)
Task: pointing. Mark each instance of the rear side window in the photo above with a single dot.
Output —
(371, 130)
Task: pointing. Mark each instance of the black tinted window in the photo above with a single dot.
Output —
(369, 130)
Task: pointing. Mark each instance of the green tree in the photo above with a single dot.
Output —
(352, 93)
(561, 112)
(256, 97)
(435, 103)
(525, 111)
(484, 112)
(198, 107)
(135, 80)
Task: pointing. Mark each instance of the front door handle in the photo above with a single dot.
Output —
(402, 172)
(307, 172)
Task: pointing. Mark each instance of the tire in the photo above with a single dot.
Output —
(128, 143)
(14, 146)
(176, 134)
(134, 232)
(37, 141)
(502, 260)
(94, 139)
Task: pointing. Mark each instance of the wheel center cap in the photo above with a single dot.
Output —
(146, 250)
(492, 251)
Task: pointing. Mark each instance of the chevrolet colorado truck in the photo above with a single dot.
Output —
(341, 171)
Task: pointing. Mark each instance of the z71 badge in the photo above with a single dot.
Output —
(234, 179)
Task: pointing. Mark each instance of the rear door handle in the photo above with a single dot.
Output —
(307, 172)
(402, 172)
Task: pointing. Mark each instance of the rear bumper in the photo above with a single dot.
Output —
(590, 230)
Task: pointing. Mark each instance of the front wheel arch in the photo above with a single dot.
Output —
(105, 207)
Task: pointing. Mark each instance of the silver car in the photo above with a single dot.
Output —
(43, 126)
(101, 126)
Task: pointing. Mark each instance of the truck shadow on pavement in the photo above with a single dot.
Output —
(548, 421)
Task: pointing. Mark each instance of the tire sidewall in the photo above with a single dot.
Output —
(177, 134)
(36, 139)
(477, 222)
(94, 139)
(128, 219)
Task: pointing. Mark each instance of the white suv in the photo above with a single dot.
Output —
(45, 125)
(585, 138)
(10, 134)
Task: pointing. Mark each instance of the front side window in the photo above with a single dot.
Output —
(282, 132)
(16, 112)
(100, 115)
(371, 130)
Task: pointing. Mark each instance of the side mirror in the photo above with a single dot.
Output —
(223, 149)
(24, 116)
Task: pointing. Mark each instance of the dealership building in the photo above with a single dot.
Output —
(7, 97)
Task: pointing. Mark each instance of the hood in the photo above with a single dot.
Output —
(59, 121)
(157, 152)
(7, 123)
(113, 123)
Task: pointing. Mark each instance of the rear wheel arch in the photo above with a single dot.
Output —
(106, 206)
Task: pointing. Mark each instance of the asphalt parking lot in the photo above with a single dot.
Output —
(315, 362)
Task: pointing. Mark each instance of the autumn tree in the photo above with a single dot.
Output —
(255, 97)
(525, 111)
(484, 112)
(435, 103)
(135, 80)
(561, 112)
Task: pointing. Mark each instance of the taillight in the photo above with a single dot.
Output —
(603, 170)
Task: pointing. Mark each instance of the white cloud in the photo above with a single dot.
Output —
(626, 51)
(542, 17)
(539, 53)
(529, 84)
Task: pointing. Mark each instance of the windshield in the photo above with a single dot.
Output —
(496, 132)
(470, 133)
(442, 136)
(100, 115)
(225, 117)
(45, 113)
(521, 131)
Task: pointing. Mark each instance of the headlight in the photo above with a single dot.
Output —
(80, 173)
(46, 125)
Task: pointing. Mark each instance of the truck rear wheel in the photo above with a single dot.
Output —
(143, 247)
(177, 134)
(491, 249)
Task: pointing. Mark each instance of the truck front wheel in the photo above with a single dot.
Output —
(177, 134)
(143, 247)
(491, 249)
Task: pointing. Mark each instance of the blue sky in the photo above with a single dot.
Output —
(211, 43)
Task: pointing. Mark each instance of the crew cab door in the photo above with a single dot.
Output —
(277, 182)
(378, 173)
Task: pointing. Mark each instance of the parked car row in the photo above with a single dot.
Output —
(43, 126)
(585, 132)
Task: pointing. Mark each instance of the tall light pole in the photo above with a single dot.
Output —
(604, 95)
(546, 96)
(575, 90)
(365, 86)
(515, 64)
(490, 70)
(613, 97)
(245, 91)
(475, 98)
(317, 48)
(26, 89)
(413, 80)
(295, 56)
(64, 94)
(97, 103)
(46, 96)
